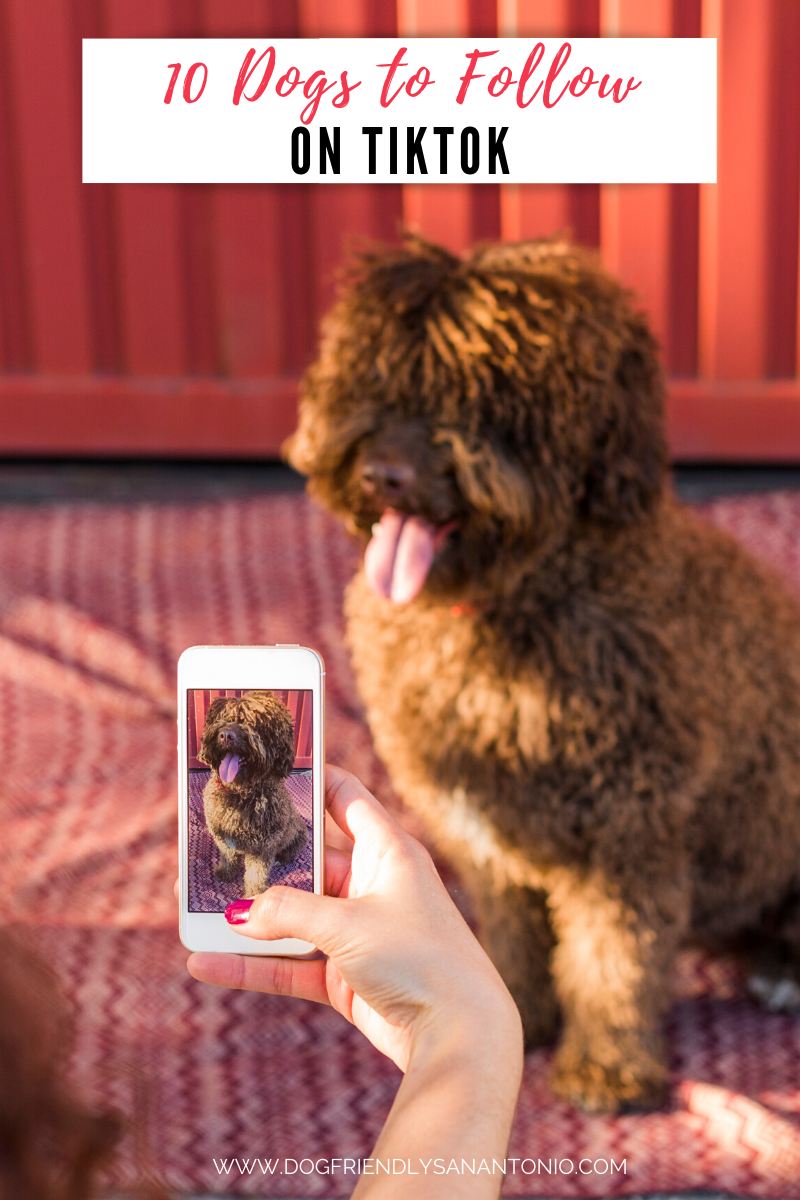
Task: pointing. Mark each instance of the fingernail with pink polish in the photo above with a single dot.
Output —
(238, 911)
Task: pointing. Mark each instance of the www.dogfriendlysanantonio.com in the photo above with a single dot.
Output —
(418, 1166)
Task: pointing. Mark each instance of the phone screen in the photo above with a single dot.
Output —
(250, 789)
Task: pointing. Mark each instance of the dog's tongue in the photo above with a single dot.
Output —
(399, 556)
(228, 768)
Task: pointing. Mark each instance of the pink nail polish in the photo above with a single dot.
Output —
(238, 911)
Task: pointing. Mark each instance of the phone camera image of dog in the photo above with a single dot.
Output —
(249, 744)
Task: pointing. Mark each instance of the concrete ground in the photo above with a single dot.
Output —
(695, 484)
(28, 481)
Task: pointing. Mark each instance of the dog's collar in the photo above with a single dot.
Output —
(463, 610)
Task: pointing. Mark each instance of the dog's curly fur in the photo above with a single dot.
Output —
(594, 701)
(252, 818)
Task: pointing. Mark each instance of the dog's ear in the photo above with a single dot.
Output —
(215, 708)
(213, 714)
(629, 457)
(325, 446)
(276, 730)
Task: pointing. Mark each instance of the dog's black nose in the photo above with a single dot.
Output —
(227, 737)
(389, 480)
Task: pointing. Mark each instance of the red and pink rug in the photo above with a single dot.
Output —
(96, 604)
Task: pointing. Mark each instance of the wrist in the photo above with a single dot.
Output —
(484, 1032)
(459, 1092)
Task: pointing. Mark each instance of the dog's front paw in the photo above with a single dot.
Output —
(775, 993)
(596, 1088)
(256, 875)
(226, 872)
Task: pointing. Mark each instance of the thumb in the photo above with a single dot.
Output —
(288, 912)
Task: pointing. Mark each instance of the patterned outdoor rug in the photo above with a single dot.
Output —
(96, 603)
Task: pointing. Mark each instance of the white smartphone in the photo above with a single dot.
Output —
(251, 754)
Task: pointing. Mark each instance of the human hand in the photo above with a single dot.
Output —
(401, 962)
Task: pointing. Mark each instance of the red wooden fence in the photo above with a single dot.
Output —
(298, 703)
(174, 320)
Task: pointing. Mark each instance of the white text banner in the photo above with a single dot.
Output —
(375, 110)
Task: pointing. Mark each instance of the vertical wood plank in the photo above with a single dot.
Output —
(432, 18)
(635, 219)
(294, 703)
(784, 200)
(150, 235)
(15, 334)
(533, 18)
(453, 214)
(583, 20)
(681, 358)
(305, 743)
(199, 240)
(102, 266)
(343, 216)
(583, 17)
(192, 740)
(584, 213)
(797, 303)
(440, 211)
(345, 18)
(649, 232)
(47, 119)
(202, 700)
(251, 311)
(295, 203)
(541, 210)
(248, 18)
(151, 279)
(482, 18)
(533, 210)
(486, 212)
(687, 18)
(708, 240)
(99, 219)
(251, 308)
(734, 211)
(635, 242)
(291, 702)
(347, 216)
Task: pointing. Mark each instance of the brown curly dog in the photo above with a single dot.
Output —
(592, 698)
(249, 745)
